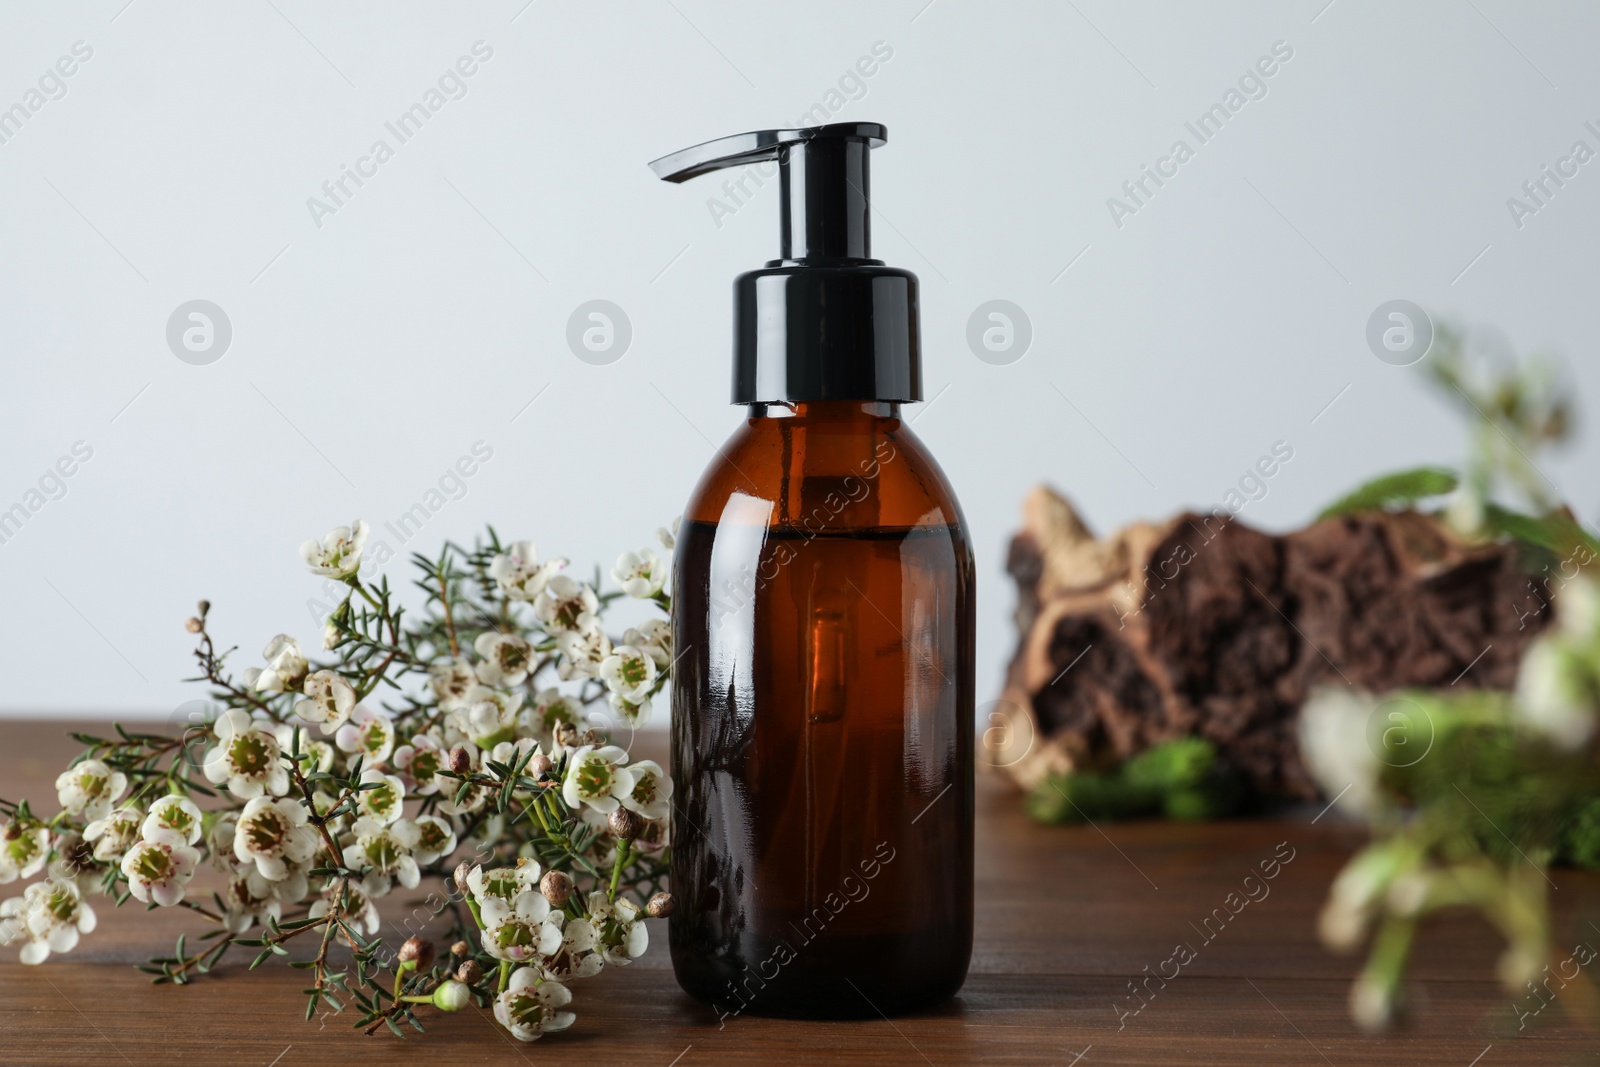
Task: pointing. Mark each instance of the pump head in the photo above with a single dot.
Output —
(823, 321)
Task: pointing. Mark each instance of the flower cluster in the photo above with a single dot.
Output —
(305, 800)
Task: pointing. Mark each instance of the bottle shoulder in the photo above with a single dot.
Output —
(835, 473)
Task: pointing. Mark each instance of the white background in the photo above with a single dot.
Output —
(372, 351)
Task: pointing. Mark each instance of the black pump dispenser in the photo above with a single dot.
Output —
(824, 321)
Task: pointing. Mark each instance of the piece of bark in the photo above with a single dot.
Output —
(1204, 626)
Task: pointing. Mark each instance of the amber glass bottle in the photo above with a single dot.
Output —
(822, 718)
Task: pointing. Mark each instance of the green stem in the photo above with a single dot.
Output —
(505, 976)
(623, 848)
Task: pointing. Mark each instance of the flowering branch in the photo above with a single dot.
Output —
(312, 802)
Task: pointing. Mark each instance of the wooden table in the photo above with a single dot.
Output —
(1067, 917)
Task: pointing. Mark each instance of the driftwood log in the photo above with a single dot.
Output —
(1204, 626)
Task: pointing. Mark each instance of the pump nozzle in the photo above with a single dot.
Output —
(824, 176)
(824, 321)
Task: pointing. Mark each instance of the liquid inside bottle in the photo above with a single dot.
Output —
(822, 721)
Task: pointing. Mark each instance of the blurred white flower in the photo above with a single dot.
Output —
(629, 673)
(159, 872)
(246, 758)
(639, 574)
(339, 554)
(551, 708)
(329, 700)
(321, 753)
(530, 1006)
(1333, 743)
(488, 716)
(111, 835)
(23, 852)
(369, 732)
(273, 834)
(596, 777)
(505, 661)
(1578, 609)
(631, 714)
(653, 637)
(566, 605)
(88, 789)
(358, 907)
(519, 572)
(450, 679)
(582, 652)
(285, 670)
(436, 839)
(669, 537)
(173, 820)
(1556, 693)
(51, 915)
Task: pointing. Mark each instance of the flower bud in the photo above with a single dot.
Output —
(565, 734)
(205, 607)
(461, 948)
(460, 760)
(556, 887)
(470, 972)
(626, 824)
(194, 625)
(540, 765)
(463, 869)
(417, 951)
(451, 996)
(661, 905)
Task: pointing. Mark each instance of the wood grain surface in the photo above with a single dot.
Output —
(1067, 917)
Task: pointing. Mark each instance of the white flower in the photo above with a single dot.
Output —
(669, 537)
(504, 884)
(357, 907)
(321, 753)
(520, 573)
(505, 659)
(1556, 694)
(419, 764)
(651, 791)
(529, 1006)
(640, 574)
(517, 930)
(436, 839)
(1333, 742)
(22, 852)
(173, 820)
(566, 605)
(246, 757)
(596, 777)
(383, 850)
(111, 835)
(285, 669)
(488, 716)
(371, 733)
(450, 680)
(629, 673)
(51, 915)
(1578, 609)
(272, 834)
(159, 872)
(622, 934)
(551, 707)
(582, 653)
(329, 700)
(88, 789)
(384, 802)
(654, 638)
(250, 899)
(339, 554)
(635, 715)
(219, 843)
(511, 753)
(576, 956)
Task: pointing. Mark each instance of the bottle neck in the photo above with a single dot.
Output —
(827, 410)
